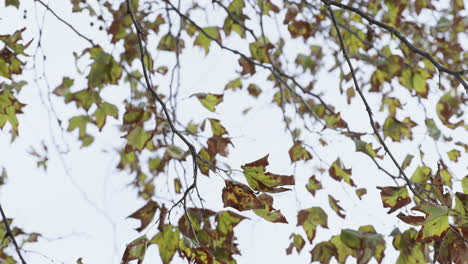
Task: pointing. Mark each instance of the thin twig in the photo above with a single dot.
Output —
(368, 109)
(149, 86)
(394, 31)
(65, 22)
(10, 234)
(236, 20)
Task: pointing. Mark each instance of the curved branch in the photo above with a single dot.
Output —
(10, 234)
(65, 22)
(368, 109)
(394, 31)
(149, 87)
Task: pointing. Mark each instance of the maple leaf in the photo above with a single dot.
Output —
(145, 214)
(209, 101)
(394, 197)
(240, 196)
(310, 218)
(313, 185)
(136, 250)
(259, 180)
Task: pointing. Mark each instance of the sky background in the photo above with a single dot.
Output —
(81, 202)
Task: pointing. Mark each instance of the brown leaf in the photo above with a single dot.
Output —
(259, 180)
(291, 13)
(240, 196)
(145, 214)
(409, 219)
(218, 145)
(247, 67)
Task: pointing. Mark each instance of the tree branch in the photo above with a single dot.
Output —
(10, 234)
(368, 109)
(65, 22)
(440, 67)
(150, 88)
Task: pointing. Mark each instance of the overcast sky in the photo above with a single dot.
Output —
(81, 202)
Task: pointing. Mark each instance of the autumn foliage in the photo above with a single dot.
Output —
(399, 88)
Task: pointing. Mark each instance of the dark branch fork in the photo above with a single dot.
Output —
(10, 234)
(277, 73)
(394, 31)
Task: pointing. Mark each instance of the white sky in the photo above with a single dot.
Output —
(81, 202)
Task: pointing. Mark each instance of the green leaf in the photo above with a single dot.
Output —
(449, 106)
(461, 203)
(434, 225)
(167, 241)
(406, 161)
(145, 214)
(453, 155)
(227, 220)
(313, 185)
(421, 174)
(137, 138)
(394, 197)
(266, 6)
(64, 88)
(392, 103)
(297, 243)
(202, 165)
(177, 185)
(209, 101)
(360, 192)
(240, 196)
(104, 110)
(398, 130)
(84, 98)
(338, 172)
(336, 207)
(234, 84)
(235, 9)
(216, 128)
(204, 41)
(79, 122)
(342, 250)
(104, 70)
(135, 250)
(306, 62)
(301, 28)
(14, 3)
(351, 238)
(260, 51)
(298, 152)
(175, 152)
(324, 251)
(254, 90)
(432, 129)
(259, 180)
(11, 41)
(268, 212)
(169, 43)
(464, 182)
(366, 148)
(310, 218)
(10, 107)
(411, 251)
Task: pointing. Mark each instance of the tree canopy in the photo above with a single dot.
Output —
(378, 87)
